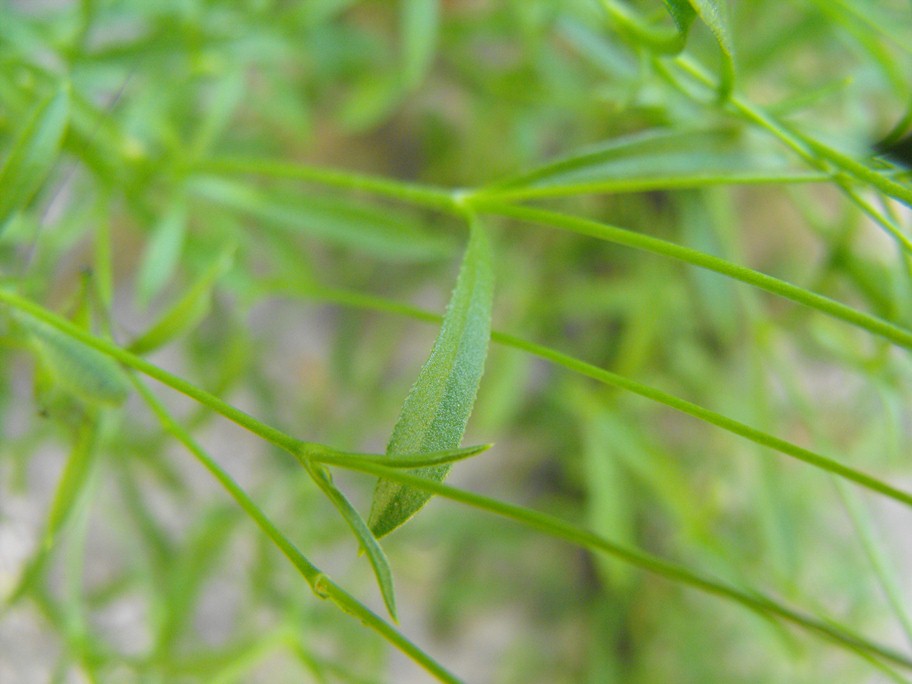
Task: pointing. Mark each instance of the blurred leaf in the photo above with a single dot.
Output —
(185, 313)
(72, 481)
(682, 12)
(33, 154)
(715, 14)
(372, 100)
(87, 374)
(436, 411)
(653, 160)
(419, 23)
(380, 231)
(163, 251)
(609, 505)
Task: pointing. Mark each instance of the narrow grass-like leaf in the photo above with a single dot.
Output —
(34, 153)
(162, 252)
(82, 371)
(438, 406)
(419, 20)
(414, 460)
(379, 231)
(187, 311)
(378, 560)
(656, 160)
(70, 491)
(73, 480)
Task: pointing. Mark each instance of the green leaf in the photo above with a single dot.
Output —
(655, 160)
(380, 231)
(401, 460)
(84, 372)
(163, 251)
(715, 14)
(33, 154)
(187, 311)
(438, 406)
(366, 538)
(682, 13)
(419, 25)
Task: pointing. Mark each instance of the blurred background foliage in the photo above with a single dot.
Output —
(154, 576)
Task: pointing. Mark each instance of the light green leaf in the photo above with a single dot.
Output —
(84, 372)
(715, 14)
(438, 406)
(655, 160)
(187, 311)
(162, 252)
(73, 481)
(33, 154)
(380, 231)
(419, 22)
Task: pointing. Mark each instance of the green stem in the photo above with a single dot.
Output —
(322, 585)
(877, 326)
(437, 198)
(563, 530)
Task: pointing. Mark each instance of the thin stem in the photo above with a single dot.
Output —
(437, 198)
(672, 571)
(603, 231)
(321, 584)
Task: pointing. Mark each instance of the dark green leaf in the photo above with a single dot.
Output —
(438, 406)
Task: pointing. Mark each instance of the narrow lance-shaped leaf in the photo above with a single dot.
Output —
(658, 159)
(366, 539)
(163, 251)
(33, 154)
(187, 311)
(419, 21)
(438, 406)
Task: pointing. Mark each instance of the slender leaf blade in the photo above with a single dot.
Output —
(654, 160)
(437, 409)
(187, 311)
(715, 14)
(419, 24)
(162, 252)
(366, 538)
(33, 154)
